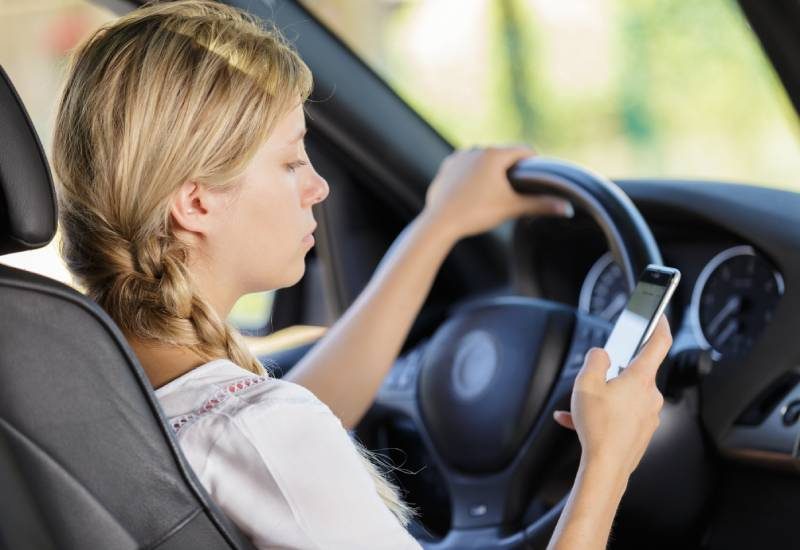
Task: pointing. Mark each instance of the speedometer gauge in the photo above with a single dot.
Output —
(733, 300)
(604, 292)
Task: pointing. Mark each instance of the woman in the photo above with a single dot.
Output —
(184, 184)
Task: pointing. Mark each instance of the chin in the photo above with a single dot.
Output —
(274, 281)
(296, 274)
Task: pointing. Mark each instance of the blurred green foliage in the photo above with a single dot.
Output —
(251, 313)
(630, 88)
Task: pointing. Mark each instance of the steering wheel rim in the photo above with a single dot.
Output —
(428, 372)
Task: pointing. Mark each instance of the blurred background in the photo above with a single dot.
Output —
(629, 88)
(656, 88)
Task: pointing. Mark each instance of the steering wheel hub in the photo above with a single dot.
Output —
(475, 364)
(515, 345)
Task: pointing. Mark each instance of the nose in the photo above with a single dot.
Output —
(316, 189)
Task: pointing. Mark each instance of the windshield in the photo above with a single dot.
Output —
(625, 87)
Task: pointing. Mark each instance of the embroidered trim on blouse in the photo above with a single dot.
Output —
(231, 388)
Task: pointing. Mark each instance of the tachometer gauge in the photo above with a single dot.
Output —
(733, 300)
(604, 292)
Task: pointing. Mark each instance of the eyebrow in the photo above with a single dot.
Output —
(296, 137)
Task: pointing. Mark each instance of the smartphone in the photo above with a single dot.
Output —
(638, 320)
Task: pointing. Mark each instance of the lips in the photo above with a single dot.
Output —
(309, 238)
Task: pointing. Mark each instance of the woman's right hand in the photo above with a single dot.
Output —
(615, 420)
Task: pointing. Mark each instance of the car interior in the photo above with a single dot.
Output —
(87, 459)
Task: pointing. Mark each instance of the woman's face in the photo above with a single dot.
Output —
(262, 236)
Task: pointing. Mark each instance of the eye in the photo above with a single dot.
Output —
(292, 166)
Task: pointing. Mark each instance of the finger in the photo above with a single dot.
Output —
(564, 419)
(513, 154)
(547, 205)
(522, 148)
(655, 349)
(595, 366)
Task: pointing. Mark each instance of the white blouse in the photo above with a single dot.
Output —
(277, 461)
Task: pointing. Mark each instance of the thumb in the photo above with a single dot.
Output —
(595, 366)
(564, 418)
(651, 356)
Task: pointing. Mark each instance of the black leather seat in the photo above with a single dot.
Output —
(86, 457)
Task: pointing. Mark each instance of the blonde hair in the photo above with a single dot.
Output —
(172, 92)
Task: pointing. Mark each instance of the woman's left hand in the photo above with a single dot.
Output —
(471, 192)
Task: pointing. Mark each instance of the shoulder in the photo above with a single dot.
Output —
(272, 428)
(282, 423)
(222, 406)
(221, 391)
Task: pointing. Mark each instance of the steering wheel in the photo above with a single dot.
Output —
(481, 392)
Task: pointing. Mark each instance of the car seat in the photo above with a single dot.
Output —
(87, 459)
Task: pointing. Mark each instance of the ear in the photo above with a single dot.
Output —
(191, 207)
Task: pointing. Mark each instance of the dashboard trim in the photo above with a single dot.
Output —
(769, 438)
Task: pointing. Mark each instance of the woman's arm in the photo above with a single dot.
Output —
(469, 195)
(586, 520)
(346, 367)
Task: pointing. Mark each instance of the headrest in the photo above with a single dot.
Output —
(27, 198)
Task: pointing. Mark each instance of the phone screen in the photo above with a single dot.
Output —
(634, 322)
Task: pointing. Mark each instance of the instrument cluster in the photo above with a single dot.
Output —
(732, 301)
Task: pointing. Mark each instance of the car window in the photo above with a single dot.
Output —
(628, 88)
(251, 314)
(35, 39)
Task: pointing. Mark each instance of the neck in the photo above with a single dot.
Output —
(162, 363)
(217, 286)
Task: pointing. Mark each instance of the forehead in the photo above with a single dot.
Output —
(289, 128)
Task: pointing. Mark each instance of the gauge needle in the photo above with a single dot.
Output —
(726, 333)
(611, 309)
(733, 305)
